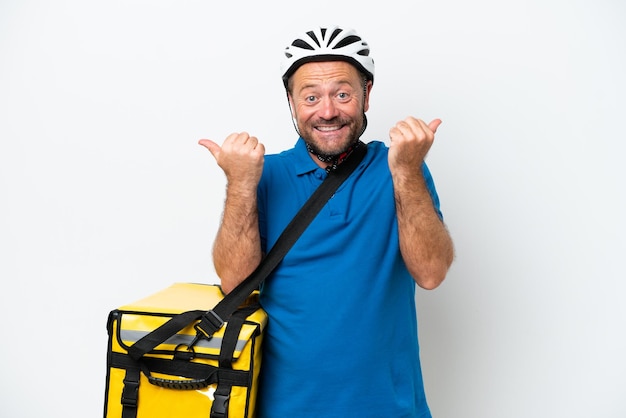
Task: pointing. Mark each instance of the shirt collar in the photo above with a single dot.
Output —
(303, 161)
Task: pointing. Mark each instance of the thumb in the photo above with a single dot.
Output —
(211, 146)
(434, 124)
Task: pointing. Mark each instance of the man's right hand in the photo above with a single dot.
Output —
(241, 156)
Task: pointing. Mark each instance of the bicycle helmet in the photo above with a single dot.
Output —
(331, 43)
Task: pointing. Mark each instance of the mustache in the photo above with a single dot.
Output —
(331, 122)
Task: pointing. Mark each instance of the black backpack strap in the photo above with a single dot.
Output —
(211, 321)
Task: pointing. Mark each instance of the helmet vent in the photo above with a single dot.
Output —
(365, 51)
(348, 40)
(302, 44)
(312, 35)
(334, 35)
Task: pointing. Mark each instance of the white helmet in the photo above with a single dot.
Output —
(328, 44)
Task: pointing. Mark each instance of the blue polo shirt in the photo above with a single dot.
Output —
(342, 334)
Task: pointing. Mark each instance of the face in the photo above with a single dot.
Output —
(328, 101)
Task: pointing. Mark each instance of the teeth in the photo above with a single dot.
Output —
(327, 128)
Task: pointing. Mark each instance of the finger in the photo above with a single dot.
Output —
(434, 124)
(412, 126)
(420, 125)
(241, 141)
(394, 132)
(260, 147)
(252, 141)
(211, 146)
(238, 137)
(403, 128)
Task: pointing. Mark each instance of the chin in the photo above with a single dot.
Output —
(332, 150)
(332, 145)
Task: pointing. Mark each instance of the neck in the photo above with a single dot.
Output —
(330, 162)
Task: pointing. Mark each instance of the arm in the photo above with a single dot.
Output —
(425, 243)
(237, 246)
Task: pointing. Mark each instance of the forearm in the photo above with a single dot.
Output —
(237, 246)
(425, 243)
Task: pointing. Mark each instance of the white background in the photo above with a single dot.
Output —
(105, 196)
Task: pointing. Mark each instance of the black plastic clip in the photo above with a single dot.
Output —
(209, 323)
(220, 405)
(214, 319)
(130, 393)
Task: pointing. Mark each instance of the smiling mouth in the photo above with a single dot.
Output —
(329, 128)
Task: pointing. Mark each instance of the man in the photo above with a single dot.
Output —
(342, 334)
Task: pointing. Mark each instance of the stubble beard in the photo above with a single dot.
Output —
(326, 154)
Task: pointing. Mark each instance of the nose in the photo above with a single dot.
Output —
(328, 109)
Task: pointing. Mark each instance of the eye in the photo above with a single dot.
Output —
(344, 96)
(310, 99)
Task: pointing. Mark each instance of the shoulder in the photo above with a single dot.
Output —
(375, 160)
(377, 148)
(294, 160)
